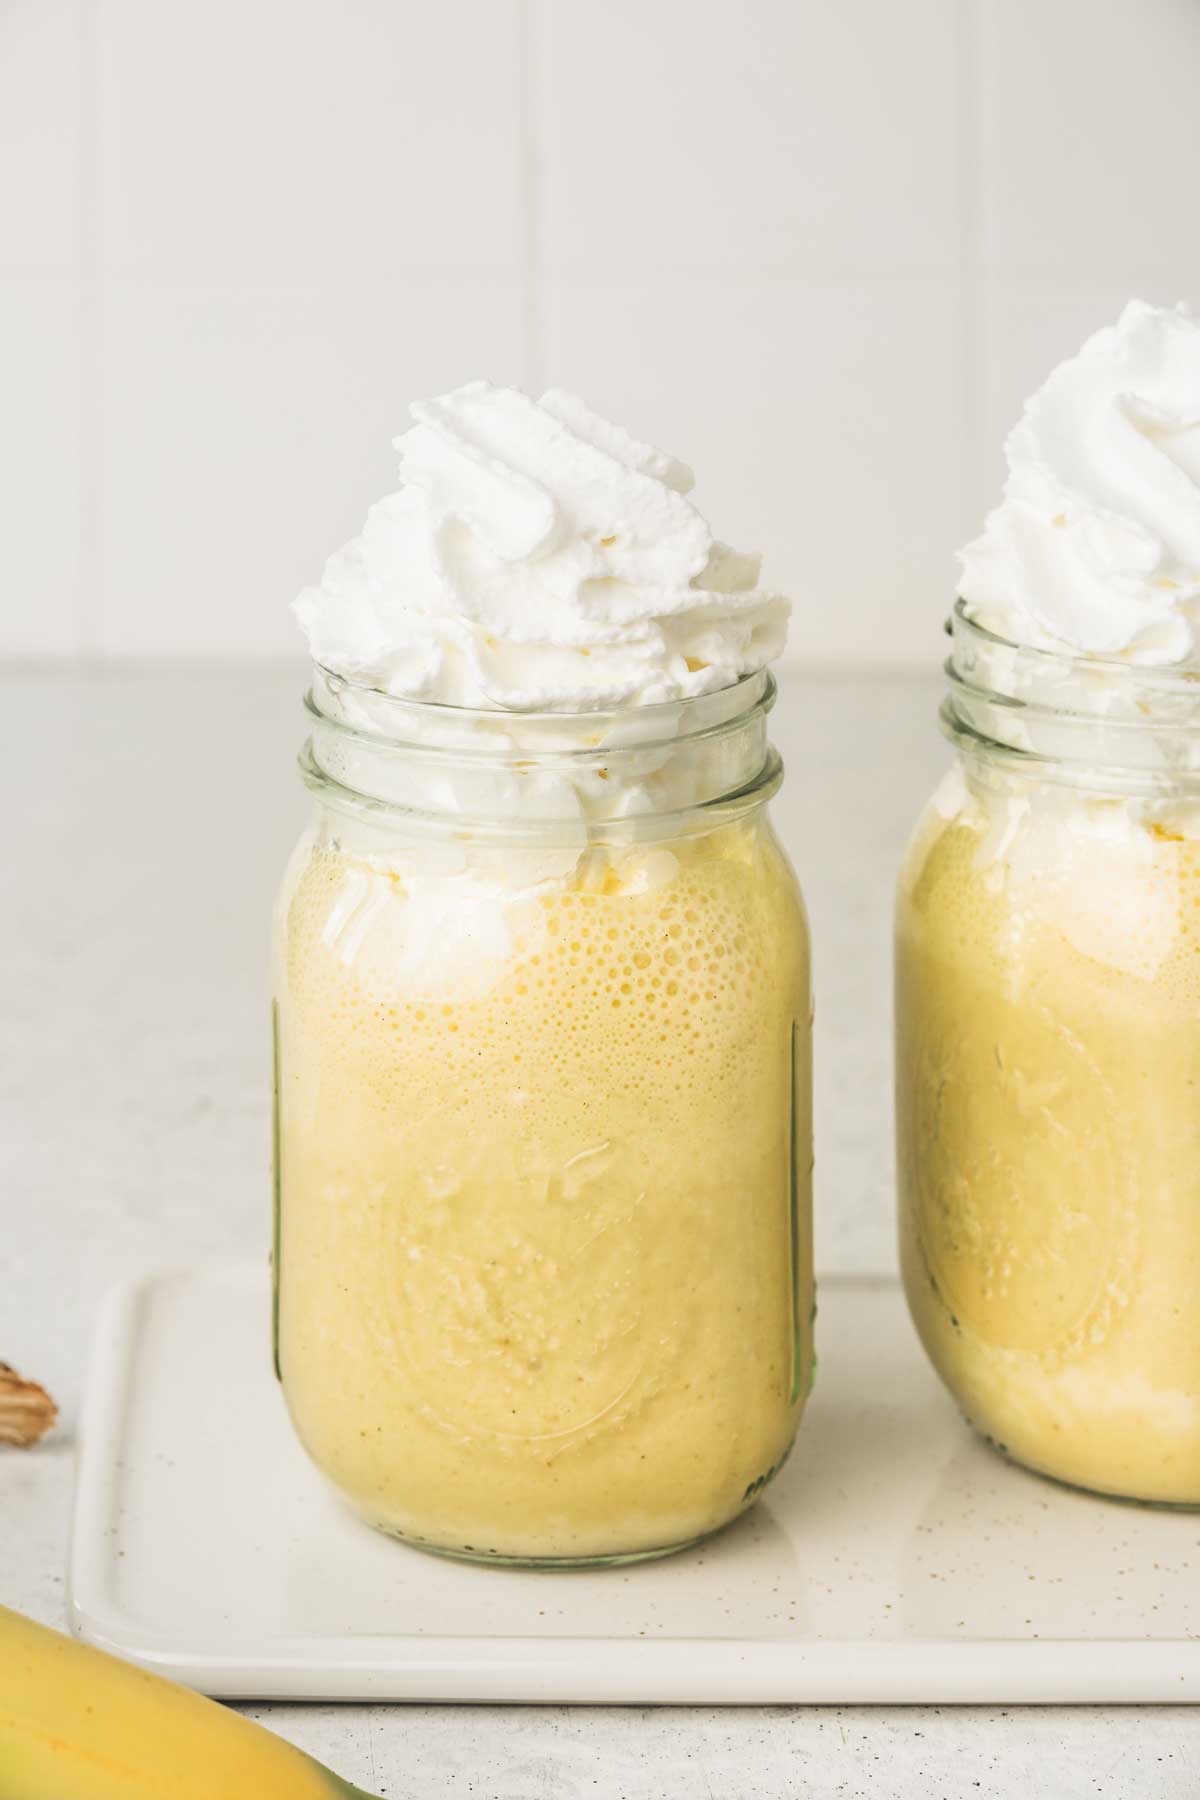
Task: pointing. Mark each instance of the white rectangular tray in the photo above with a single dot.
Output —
(895, 1559)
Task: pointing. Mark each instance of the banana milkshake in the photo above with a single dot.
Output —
(544, 1276)
(1048, 942)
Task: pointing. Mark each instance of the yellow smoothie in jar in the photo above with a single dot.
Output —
(1048, 940)
(545, 1276)
(1048, 1104)
(544, 1269)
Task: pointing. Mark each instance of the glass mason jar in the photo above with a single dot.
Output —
(1048, 1064)
(543, 1238)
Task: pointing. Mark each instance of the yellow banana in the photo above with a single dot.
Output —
(76, 1724)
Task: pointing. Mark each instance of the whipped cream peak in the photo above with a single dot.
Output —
(1096, 546)
(538, 557)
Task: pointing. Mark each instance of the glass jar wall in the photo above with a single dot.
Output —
(543, 1025)
(1048, 1065)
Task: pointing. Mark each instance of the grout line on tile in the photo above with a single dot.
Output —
(970, 222)
(155, 667)
(88, 621)
(531, 181)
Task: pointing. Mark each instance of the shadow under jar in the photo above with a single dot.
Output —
(1048, 1064)
(543, 1238)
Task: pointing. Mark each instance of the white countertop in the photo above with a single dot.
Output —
(149, 815)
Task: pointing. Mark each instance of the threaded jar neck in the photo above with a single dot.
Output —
(643, 769)
(1095, 722)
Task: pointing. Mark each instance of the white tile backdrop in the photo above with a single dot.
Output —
(820, 248)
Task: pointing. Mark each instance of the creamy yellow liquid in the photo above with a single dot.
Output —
(1048, 1099)
(545, 1276)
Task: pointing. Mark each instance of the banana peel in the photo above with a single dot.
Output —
(78, 1724)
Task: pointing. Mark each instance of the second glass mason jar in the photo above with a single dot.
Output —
(543, 1243)
(1048, 1064)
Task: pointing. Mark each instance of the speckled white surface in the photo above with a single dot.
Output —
(148, 816)
(895, 1558)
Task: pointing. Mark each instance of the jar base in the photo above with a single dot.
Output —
(1079, 1487)
(617, 1559)
(620, 1559)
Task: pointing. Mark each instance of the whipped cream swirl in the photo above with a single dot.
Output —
(1096, 547)
(538, 558)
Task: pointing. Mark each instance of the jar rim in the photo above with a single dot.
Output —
(1096, 722)
(477, 769)
(733, 703)
(1182, 678)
